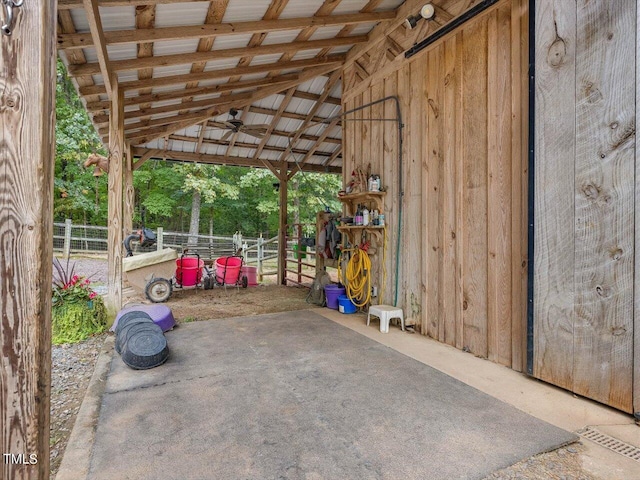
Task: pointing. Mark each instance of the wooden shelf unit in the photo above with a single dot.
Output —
(372, 200)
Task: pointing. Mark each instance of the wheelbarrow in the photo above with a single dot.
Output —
(143, 271)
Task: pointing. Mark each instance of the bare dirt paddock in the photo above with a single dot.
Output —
(220, 302)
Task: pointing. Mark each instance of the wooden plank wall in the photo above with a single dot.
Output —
(585, 197)
(463, 253)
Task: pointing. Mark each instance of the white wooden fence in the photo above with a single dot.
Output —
(70, 239)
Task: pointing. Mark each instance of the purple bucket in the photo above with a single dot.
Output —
(332, 292)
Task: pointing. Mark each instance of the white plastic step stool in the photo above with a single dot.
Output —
(385, 313)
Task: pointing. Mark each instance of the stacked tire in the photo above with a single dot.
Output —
(140, 342)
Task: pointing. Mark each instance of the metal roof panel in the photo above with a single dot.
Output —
(176, 14)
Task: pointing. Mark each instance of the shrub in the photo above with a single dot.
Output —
(78, 311)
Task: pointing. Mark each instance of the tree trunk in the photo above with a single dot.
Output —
(194, 227)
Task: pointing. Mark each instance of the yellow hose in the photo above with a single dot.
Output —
(358, 278)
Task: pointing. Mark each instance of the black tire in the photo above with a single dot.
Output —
(245, 282)
(206, 283)
(146, 348)
(158, 290)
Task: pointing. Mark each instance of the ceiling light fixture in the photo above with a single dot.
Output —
(427, 12)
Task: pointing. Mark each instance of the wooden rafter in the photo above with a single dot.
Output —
(100, 43)
(333, 157)
(119, 37)
(334, 60)
(151, 134)
(224, 160)
(71, 4)
(145, 156)
(204, 56)
(378, 34)
(268, 148)
(203, 129)
(145, 19)
(179, 94)
(317, 143)
(274, 122)
(210, 102)
(331, 83)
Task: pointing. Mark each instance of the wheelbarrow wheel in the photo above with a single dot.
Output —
(207, 283)
(245, 282)
(158, 290)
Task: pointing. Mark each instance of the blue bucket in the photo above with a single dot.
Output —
(345, 305)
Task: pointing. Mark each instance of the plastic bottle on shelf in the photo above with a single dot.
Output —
(358, 216)
(374, 218)
(365, 217)
(381, 219)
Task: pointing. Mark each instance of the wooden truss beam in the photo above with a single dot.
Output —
(316, 145)
(204, 56)
(331, 83)
(333, 60)
(268, 148)
(180, 93)
(151, 134)
(71, 4)
(225, 160)
(100, 43)
(119, 37)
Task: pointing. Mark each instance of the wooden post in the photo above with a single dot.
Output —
(260, 255)
(299, 251)
(114, 234)
(129, 192)
(282, 228)
(27, 146)
(66, 251)
(160, 238)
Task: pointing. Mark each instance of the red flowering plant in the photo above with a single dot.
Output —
(68, 286)
(78, 311)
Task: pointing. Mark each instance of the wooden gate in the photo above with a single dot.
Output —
(585, 199)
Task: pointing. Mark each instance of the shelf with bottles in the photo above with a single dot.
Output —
(373, 199)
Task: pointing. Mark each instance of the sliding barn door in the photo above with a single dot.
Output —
(585, 155)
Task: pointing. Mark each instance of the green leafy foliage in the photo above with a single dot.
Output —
(233, 198)
(78, 311)
(78, 194)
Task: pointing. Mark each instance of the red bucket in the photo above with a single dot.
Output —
(189, 271)
(228, 270)
(251, 273)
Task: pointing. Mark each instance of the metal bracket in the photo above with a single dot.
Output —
(8, 6)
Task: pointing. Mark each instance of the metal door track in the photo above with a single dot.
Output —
(610, 442)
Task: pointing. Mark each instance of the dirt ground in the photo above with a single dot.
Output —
(220, 302)
(72, 365)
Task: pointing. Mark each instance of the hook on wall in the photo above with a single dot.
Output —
(8, 6)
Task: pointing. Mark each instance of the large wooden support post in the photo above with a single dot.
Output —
(27, 139)
(129, 193)
(282, 228)
(115, 236)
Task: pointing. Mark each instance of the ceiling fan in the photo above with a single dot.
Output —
(235, 125)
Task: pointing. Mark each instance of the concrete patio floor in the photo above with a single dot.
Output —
(296, 396)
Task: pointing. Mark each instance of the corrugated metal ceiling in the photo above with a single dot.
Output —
(257, 92)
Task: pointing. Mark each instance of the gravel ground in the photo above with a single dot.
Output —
(561, 464)
(71, 369)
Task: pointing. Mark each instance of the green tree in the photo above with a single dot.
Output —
(78, 194)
